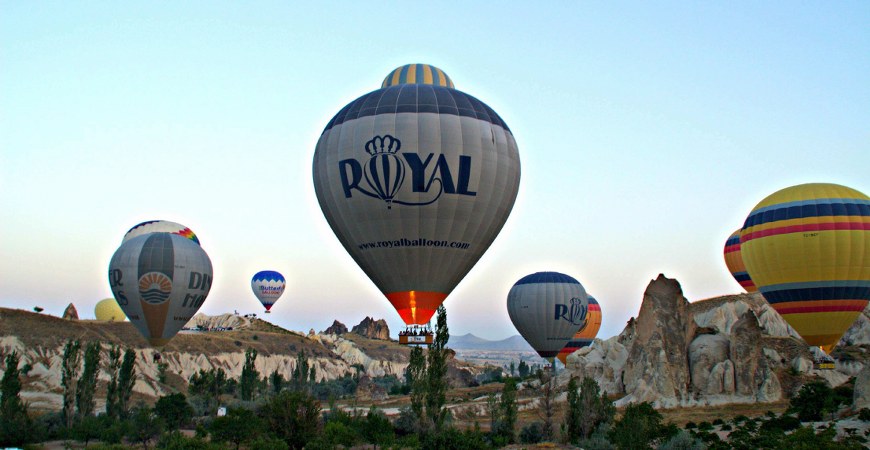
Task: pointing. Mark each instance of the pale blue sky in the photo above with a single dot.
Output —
(647, 131)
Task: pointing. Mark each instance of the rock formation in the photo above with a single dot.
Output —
(337, 328)
(861, 397)
(728, 349)
(367, 390)
(373, 329)
(657, 368)
(70, 313)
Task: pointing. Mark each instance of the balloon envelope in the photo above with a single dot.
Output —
(416, 179)
(547, 308)
(160, 280)
(268, 285)
(160, 226)
(734, 262)
(107, 310)
(585, 336)
(807, 248)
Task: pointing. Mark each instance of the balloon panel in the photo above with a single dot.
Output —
(547, 308)
(416, 181)
(107, 310)
(586, 334)
(807, 248)
(734, 262)
(417, 74)
(268, 286)
(160, 280)
(160, 226)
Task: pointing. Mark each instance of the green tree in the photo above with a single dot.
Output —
(639, 426)
(587, 409)
(250, 376)
(174, 410)
(210, 385)
(276, 381)
(69, 376)
(292, 416)
(87, 383)
(812, 401)
(301, 373)
(144, 425)
(416, 373)
(436, 373)
(523, 369)
(14, 422)
(126, 380)
(377, 429)
(512, 368)
(113, 367)
(508, 411)
(88, 428)
(239, 426)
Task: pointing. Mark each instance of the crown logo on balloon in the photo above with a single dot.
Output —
(383, 144)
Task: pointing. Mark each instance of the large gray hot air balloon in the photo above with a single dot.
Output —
(160, 280)
(416, 179)
(547, 308)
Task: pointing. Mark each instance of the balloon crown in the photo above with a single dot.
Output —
(383, 144)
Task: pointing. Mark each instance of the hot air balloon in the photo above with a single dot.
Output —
(107, 310)
(160, 280)
(734, 262)
(160, 226)
(807, 248)
(585, 336)
(268, 286)
(548, 308)
(416, 179)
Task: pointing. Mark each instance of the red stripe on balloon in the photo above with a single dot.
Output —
(819, 309)
(804, 228)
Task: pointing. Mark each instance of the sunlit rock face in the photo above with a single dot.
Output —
(730, 349)
(373, 329)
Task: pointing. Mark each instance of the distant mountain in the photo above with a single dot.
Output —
(471, 342)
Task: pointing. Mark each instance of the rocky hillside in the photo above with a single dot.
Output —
(40, 340)
(732, 349)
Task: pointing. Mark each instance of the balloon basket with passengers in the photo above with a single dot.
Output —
(415, 335)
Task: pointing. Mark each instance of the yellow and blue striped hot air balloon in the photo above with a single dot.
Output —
(734, 262)
(807, 248)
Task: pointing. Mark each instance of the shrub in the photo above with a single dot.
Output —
(690, 425)
(532, 433)
(705, 426)
(864, 414)
(813, 400)
(682, 441)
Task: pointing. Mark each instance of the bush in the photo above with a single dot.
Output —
(782, 423)
(864, 414)
(174, 410)
(532, 433)
(705, 426)
(293, 417)
(176, 440)
(718, 422)
(813, 400)
(451, 438)
(682, 441)
(690, 425)
(726, 427)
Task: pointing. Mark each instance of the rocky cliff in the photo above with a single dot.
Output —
(733, 349)
(373, 329)
(39, 339)
(337, 328)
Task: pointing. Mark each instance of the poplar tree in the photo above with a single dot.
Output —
(249, 378)
(436, 372)
(508, 410)
(126, 380)
(416, 373)
(69, 375)
(87, 384)
(14, 422)
(114, 366)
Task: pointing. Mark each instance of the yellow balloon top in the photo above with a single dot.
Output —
(107, 310)
(417, 74)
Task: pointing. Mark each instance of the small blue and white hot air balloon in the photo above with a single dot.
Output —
(268, 285)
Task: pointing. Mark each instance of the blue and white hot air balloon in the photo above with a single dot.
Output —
(268, 285)
(548, 308)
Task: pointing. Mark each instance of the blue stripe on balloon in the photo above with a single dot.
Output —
(819, 293)
(268, 275)
(405, 98)
(810, 208)
(546, 277)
